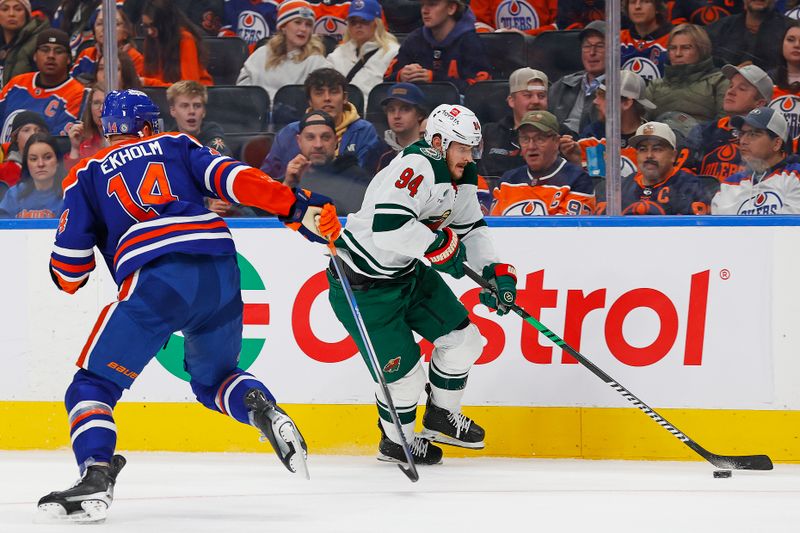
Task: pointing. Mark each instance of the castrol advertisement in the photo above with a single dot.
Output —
(681, 316)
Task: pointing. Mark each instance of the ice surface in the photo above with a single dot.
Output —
(194, 493)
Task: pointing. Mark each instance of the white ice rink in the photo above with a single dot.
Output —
(237, 493)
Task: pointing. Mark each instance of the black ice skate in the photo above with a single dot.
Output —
(279, 429)
(456, 429)
(422, 451)
(88, 499)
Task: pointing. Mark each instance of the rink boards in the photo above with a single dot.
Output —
(696, 316)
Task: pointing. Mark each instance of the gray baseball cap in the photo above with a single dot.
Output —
(763, 118)
(754, 75)
(595, 26)
(632, 86)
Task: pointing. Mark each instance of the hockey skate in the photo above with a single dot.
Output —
(276, 426)
(88, 499)
(447, 427)
(422, 451)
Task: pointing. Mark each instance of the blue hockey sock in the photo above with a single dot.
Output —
(90, 401)
(227, 397)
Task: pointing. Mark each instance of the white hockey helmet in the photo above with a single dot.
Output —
(455, 123)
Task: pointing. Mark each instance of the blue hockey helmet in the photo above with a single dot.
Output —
(125, 113)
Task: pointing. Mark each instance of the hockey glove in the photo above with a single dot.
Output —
(447, 253)
(503, 278)
(307, 212)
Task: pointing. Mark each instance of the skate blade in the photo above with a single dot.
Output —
(298, 460)
(441, 438)
(94, 511)
(388, 459)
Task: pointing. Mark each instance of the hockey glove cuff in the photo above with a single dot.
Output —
(503, 278)
(447, 253)
(303, 216)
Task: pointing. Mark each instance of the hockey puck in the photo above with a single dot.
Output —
(722, 473)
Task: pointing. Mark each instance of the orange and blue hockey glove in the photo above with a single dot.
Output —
(305, 213)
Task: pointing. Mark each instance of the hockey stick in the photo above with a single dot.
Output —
(409, 469)
(729, 462)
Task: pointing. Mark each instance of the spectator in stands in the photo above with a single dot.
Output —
(18, 38)
(571, 97)
(446, 48)
(85, 66)
(644, 45)
(317, 165)
(290, 56)
(702, 12)
(530, 17)
(249, 20)
(187, 105)
(326, 90)
(173, 48)
(660, 187)
(331, 18)
(750, 88)
(74, 17)
(406, 108)
(547, 184)
(38, 193)
(749, 36)
(26, 124)
(577, 14)
(691, 83)
(126, 72)
(590, 148)
(366, 49)
(786, 76)
(527, 91)
(50, 91)
(770, 185)
(86, 137)
(206, 15)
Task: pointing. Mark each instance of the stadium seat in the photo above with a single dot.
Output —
(291, 103)
(487, 99)
(402, 16)
(250, 147)
(226, 55)
(556, 53)
(64, 145)
(506, 52)
(436, 93)
(159, 97)
(710, 184)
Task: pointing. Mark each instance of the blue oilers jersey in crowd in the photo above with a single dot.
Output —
(139, 200)
(250, 20)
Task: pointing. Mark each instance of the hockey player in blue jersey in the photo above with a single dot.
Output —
(140, 202)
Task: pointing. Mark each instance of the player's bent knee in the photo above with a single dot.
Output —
(459, 349)
(87, 386)
(406, 390)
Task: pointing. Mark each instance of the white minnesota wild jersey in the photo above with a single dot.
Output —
(404, 205)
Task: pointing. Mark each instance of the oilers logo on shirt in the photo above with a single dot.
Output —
(644, 67)
(529, 208)
(252, 27)
(764, 203)
(789, 107)
(333, 26)
(515, 14)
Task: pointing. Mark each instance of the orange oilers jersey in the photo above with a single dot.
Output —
(565, 190)
(60, 106)
(627, 155)
(332, 17)
(529, 16)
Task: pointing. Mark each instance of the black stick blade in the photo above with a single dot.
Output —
(740, 462)
(410, 472)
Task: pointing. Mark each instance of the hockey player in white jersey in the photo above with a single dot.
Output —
(422, 208)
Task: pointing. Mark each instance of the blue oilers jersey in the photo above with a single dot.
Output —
(645, 55)
(250, 20)
(139, 200)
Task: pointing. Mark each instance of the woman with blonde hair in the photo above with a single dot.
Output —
(691, 83)
(290, 55)
(366, 49)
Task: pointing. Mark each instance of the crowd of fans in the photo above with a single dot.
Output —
(710, 96)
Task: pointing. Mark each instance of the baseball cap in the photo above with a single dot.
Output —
(524, 79)
(368, 10)
(53, 36)
(653, 130)
(317, 117)
(754, 75)
(406, 92)
(541, 120)
(763, 118)
(292, 9)
(595, 26)
(632, 86)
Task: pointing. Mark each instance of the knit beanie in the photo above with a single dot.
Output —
(25, 3)
(292, 9)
